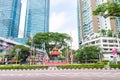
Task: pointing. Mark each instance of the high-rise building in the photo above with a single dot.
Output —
(37, 17)
(117, 19)
(89, 25)
(9, 18)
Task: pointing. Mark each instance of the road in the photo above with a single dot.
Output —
(60, 74)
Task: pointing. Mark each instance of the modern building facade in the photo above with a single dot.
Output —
(37, 17)
(117, 19)
(89, 26)
(7, 44)
(9, 18)
(106, 44)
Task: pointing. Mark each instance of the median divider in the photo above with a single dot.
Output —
(59, 67)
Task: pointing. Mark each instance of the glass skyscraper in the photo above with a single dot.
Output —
(37, 17)
(9, 18)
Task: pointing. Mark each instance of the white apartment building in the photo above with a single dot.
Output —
(90, 25)
(106, 44)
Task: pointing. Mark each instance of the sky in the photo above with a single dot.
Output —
(63, 18)
(22, 20)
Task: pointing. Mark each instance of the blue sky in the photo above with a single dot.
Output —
(63, 18)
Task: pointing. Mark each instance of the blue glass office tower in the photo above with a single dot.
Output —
(9, 18)
(37, 17)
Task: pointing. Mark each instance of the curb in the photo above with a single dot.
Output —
(55, 68)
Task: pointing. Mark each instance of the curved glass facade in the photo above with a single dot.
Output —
(37, 17)
(9, 18)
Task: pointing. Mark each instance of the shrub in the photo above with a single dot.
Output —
(22, 67)
(115, 66)
(79, 66)
(105, 61)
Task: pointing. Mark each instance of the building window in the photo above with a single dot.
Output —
(110, 41)
(105, 45)
(116, 45)
(104, 40)
(110, 49)
(105, 49)
(93, 42)
(111, 45)
(97, 41)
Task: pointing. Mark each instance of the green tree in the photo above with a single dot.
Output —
(19, 52)
(103, 31)
(79, 56)
(108, 9)
(110, 33)
(87, 53)
(49, 40)
(119, 35)
(1, 55)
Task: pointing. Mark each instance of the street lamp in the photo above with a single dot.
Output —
(100, 53)
(17, 52)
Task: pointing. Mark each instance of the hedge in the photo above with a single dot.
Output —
(79, 66)
(105, 61)
(2, 67)
(115, 66)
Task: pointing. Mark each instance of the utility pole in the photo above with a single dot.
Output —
(17, 50)
(71, 54)
(31, 48)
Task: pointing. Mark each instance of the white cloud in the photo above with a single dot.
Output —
(57, 20)
(56, 2)
(67, 2)
(63, 18)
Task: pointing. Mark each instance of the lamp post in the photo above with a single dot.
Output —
(17, 52)
(100, 56)
(67, 58)
(31, 47)
(31, 50)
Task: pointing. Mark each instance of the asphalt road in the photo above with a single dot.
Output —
(60, 75)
